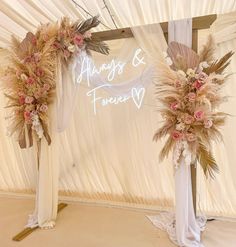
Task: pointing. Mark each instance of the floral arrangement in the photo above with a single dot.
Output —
(189, 91)
(31, 77)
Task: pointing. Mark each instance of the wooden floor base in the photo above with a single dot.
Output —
(23, 234)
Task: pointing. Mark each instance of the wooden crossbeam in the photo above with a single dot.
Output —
(198, 23)
(28, 230)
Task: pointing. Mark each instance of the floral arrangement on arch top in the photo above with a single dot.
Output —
(189, 91)
(30, 79)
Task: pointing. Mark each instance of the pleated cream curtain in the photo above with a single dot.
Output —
(111, 156)
(19, 16)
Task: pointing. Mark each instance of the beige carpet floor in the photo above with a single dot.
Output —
(80, 225)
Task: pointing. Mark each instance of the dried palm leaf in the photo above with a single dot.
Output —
(167, 148)
(219, 65)
(98, 46)
(86, 25)
(206, 160)
(163, 131)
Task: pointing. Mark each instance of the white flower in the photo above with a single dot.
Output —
(190, 72)
(180, 126)
(203, 65)
(23, 77)
(167, 58)
(71, 48)
(181, 73)
(169, 61)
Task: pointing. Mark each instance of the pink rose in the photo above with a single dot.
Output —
(174, 106)
(191, 137)
(30, 80)
(199, 115)
(78, 39)
(34, 40)
(43, 108)
(177, 84)
(29, 99)
(66, 53)
(188, 119)
(37, 57)
(208, 123)
(202, 76)
(39, 72)
(191, 97)
(177, 135)
(21, 93)
(56, 45)
(46, 86)
(28, 59)
(27, 116)
(21, 100)
(197, 84)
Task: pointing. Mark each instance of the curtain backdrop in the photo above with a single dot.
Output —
(111, 156)
(19, 16)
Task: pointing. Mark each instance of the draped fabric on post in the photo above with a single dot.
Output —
(182, 227)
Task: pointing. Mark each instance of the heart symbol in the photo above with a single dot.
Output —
(137, 95)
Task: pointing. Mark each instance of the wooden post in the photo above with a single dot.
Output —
(194, 166)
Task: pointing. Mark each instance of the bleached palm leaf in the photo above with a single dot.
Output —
(182, 56)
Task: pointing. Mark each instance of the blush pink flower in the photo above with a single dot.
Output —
(37, 94)
(21, 100)
(197, 84)
(37, 57)
(66, 53)
(202, 76)
(191, 97)
(28, 59)
(34, 40)
(191, 137)
(43, 108)
(30, 80)
(188, 119)
(29, 99)
(208, 123)
(78, 39)
(39, 72)
(177, 135)
(27, 116)
(56, 45)
(199, 115)
(46, 86)
(178, 84)
(174, 106)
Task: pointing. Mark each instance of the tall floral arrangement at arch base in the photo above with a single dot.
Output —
(30, 79)
(189, 90)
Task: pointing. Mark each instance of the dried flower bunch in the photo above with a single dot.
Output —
(31, 77)
(189, 91)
